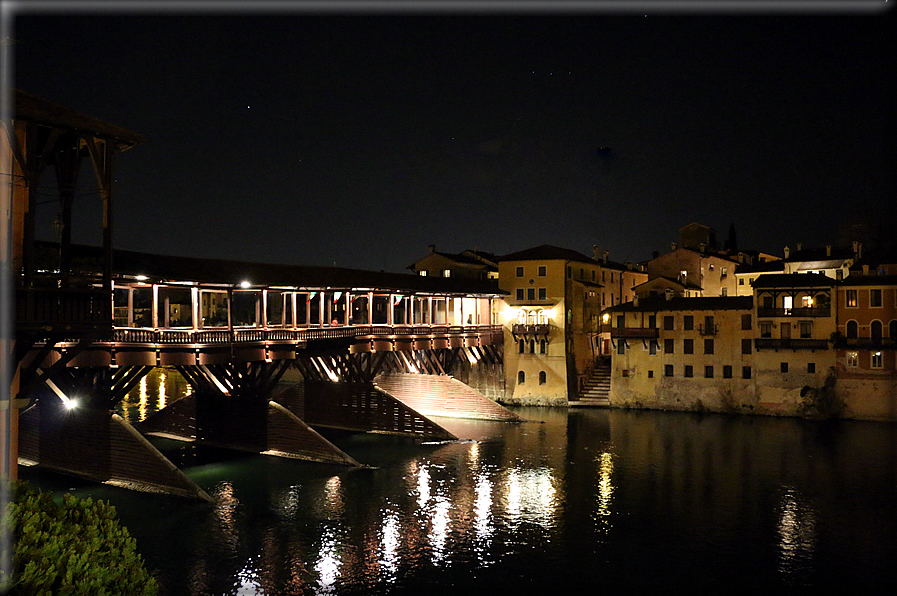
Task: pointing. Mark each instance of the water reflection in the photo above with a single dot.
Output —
(797, 534)
(698, 500)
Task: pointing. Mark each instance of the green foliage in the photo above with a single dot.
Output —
(74, 548)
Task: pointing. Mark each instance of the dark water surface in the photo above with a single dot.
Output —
(579, 501)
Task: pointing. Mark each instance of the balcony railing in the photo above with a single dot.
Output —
(519, 329)
(790, 344)
(816, 311)
(866, 343)
(248, 335)
(635, 332)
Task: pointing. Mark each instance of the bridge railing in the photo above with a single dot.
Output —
(225, 336)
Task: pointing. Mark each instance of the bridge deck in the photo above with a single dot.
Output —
(442, 395)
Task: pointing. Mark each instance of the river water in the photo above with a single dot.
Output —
(581, 501)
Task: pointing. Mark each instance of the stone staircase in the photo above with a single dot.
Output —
(596, 390)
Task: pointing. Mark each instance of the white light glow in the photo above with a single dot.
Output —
(141, 277)
(245, 284)
(70, 404)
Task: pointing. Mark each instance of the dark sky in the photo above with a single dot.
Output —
(359, 139)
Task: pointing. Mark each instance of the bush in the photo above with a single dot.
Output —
(75, 548)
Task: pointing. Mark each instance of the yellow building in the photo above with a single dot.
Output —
(551, 319)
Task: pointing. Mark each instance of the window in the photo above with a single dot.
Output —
(668, 346)
(745, 322)
(708, 372)
(650, 374)
(542, 271)
(532, 346)
(723, 272)
(521, 377)
(806, 329)
(593, 275)
(876, 360)
(765, 328)
(741, 281)
(688, 346)
(688, 322)
(542, 346)
(852, 329)
(851, 298)
(521, 345)
(875, 298)
(853, 359)
(652, 321)
(569, 272)
(727, 371)
(708, 346)
(668, 323)
(543, 317)
(621, 346)
(542, 377)
(446, 273)
(745, 372)
(783, 367)
(668, 370)
(724, 292)
(531, 293)
(689, 370)
(423, 273)
(519, 293)
(519, 271)
(652, 347)
(543, 295)
(811, 367)
(746, 346)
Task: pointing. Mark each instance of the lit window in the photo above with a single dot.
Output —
(853, 359)
(423, 273)
(876, 360)
(521, 317)
(851, 298)
(543, 317)
(446, 273)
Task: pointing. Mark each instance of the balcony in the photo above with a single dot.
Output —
(790, 344)
(635, 332)
(541, 329)
(816, 311)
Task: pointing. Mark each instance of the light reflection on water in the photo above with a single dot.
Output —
(594, 497)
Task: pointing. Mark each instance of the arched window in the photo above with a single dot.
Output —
(521, 317)
(543, 317)
(543, 345)
(521, 377)
(542, 377)
(892, 331)
(532, 346)
(521, 347)
(532, 318)
(876, 332)
(852, 330)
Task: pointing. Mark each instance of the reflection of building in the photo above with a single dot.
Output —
(470, 264)
(551, 319)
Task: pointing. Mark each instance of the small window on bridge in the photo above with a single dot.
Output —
(521, 377)
(542, 377)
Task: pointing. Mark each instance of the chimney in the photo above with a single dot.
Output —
(674, 245)
(635, 301)
(857, 249)
(432, 248)
(669, 293)
(800, 245)
(629, 265)
(828, 250)
(787, 252)
(595, 251)
(605, 254)
(865, 269)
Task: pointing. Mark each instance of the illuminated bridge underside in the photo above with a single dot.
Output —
(441, 395)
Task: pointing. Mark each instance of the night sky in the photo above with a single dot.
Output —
(358, 139)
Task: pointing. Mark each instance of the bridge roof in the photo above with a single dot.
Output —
(162, 268)
(35, 109)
